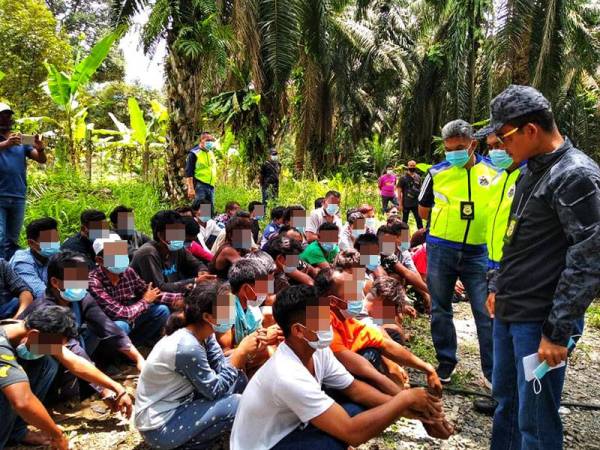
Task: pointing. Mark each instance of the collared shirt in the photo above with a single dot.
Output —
(11, 282)
(31, 270)
(317, 218)
(123, 301)
(13, 170)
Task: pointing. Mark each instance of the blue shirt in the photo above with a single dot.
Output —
(31, 271)
(13, 170)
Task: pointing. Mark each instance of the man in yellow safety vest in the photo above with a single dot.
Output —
(201, 170)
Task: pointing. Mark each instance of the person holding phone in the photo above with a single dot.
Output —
(13, 180)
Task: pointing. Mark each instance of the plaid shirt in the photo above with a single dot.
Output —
(10, 282)
(125, 300)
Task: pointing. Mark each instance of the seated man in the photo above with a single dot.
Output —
(26, 373)
(15, 295)
(164, 261)
(123, 223)
(273, 227)
(136, 307)
(93, 226)
(353, 229)
(32, 264)
(351, 337)
(322, 252)
(209, 229)
(28, 350)
(286, 393)
(67, 286)
(289, 270)
(193, 243)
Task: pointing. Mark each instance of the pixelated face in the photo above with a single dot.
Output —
(291, 262)
(359, 224)
(175, 232)
(298, 219)
(259, 211)
(403, 237)
(332, 200)
(265, 285)
(367, 250)
(76, 276)
(224, 309)
(98, 230)
(114, 250)
(328, 236)
(45, 343)
(48, 236)
(205, 212)
(317, 317)
(382, 311)
(125, 221)
(387, 244)
(241, 239)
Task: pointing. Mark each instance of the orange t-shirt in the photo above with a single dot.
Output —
(353, 335)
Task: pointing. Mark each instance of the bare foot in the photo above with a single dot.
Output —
(439, 430)
(34, 438)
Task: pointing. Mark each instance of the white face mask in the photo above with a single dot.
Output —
(324, 339)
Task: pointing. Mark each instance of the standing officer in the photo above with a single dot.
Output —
(454, 199)
(549, 272)
(201, 170)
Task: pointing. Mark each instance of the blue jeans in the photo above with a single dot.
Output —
(41, 373)
(206, 192)
(147, 327)
(313, 438)
(198, 423)
(524, 420)
(444, 266)
(8, 309)
(12, 213)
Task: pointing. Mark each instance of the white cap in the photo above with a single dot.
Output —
(5, 107)
(99, 243)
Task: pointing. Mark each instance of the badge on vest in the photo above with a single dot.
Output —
(511, 229)
(483, 181)
(467, 210)
(511, 192)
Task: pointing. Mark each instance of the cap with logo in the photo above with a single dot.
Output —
(515, 101)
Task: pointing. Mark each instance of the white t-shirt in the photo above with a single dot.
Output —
(317, 218)
(282, 395)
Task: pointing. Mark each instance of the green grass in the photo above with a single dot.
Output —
(592, 317)
(420, 343)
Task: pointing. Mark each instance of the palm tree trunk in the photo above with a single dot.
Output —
(184, 103)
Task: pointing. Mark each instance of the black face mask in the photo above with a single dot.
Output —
(411, 169)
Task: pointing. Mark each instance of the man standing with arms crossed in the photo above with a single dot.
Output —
(549, 272)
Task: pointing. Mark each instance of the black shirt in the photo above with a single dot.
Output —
(550, 270)
(269, 173)
(82, 245)
(410, 190)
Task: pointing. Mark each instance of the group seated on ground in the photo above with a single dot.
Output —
(241, 329)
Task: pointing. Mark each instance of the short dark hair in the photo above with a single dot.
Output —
(191, 226)
(332, 193)
(325, 226)
(323, 282)
(184, 210)
(287, 215)
(114, 214)
(243, 271)
(396, 226)
(52, 319)
(319, 202)
(365, 239)
(253, 204)
(418, 237)
(390, 289)
(353, 214)
(35, 227)
(544, 118)
(241, 221)
(231, 205)
(277, 212)
(384, 229)
(283, 245)
(91, 215)
(290, 307)
(58, 263)
(161, 219)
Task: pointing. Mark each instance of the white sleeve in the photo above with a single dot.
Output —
(312, 224)
(335, 375)
(301, 393)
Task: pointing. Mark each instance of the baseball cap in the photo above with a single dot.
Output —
(100, 243)
(5, 107)
(515, 101)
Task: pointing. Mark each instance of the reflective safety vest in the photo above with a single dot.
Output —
(460, 209)
(502, 194)
(206, 166)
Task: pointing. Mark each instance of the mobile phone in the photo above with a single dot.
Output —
(27, 139)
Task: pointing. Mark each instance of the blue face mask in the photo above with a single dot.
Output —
(374, 262)
(222, 327)
(355, 308)
(328, 246)
(332, 209)
(458, 158)
(175, 245)
(24, 353)
(210, 145)
(48, 249)
(73, 295)
(300, 228)
(357, 233)
(205, 218)
(259, 217)
(121, 264)
(500, 159)
(404, 246)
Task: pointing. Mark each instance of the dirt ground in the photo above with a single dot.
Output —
(91, 427)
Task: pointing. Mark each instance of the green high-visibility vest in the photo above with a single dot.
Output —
(502, 193)
(206, 166)
(460, 193)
